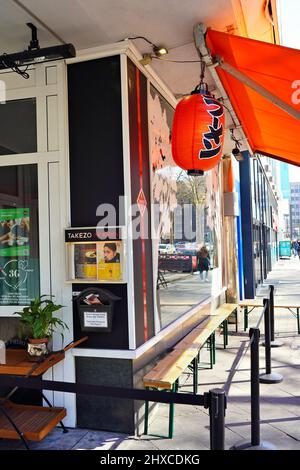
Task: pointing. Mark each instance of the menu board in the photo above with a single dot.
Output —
(94, 260)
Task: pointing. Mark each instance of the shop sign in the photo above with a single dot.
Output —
(91, 234)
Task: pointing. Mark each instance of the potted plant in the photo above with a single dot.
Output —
(39, 320)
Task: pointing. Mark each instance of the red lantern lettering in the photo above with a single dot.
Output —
(198, 133)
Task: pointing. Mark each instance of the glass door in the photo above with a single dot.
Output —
(19, 235)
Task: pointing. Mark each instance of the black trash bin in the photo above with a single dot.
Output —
(96, 318)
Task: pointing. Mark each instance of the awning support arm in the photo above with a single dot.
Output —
(258, 88)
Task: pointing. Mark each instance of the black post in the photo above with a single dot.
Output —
(217, 405)
(268, 377)
(254, 334)
(274, 343)
(272, 316)
(267, 320)
(255, 443)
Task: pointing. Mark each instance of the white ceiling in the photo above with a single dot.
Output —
(88, 23)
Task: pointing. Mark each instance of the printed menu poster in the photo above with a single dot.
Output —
(98, 261)
(19, 266)
(109, 260)
(85, 259)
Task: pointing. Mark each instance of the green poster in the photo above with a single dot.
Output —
(14, 232)
(19, 273)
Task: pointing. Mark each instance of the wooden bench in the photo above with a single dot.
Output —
(165, 374)
(251, 304)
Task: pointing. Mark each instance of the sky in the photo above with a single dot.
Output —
(289, 30)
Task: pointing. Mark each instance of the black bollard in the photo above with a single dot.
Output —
(254, 334)
(217, 405)
(274, 343)
(268, 377)
(256, 443)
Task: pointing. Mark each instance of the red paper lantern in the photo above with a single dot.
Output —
(198, 133)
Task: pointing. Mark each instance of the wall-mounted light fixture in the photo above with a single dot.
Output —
(158, 51)
(236, 153)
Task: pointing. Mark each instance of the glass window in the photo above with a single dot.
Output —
(186, 223)
(18, 131)
(19, 243)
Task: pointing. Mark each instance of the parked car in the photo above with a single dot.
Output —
(166, 249)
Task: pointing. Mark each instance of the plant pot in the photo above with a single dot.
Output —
(37, 347)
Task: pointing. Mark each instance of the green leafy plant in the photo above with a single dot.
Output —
(38, 318)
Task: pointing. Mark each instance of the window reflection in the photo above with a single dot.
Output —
(18, 129)
(186, 223)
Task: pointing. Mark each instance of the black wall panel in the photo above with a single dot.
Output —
(96, 169)
(95, 132)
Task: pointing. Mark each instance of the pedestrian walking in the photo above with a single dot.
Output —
(203, 264)
(298, 248)
(295, 246)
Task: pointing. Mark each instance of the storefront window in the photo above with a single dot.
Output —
(19, 245)
(18, 131)
(186, 213)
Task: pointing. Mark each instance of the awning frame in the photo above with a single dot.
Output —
(264, 92)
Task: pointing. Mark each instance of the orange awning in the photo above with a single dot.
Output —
(270, 130)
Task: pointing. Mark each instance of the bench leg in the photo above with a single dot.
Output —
(195, 375)
(236, 321)
(214, 347)
(245, 318)
(172, 410)
(225, 333)
(210, 343)
(298, 321)
(146, 422)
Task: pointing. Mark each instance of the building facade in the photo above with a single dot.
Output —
(295, 209)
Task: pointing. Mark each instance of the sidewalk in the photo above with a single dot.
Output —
(280, 403)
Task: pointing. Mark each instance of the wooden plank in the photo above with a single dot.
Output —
(259, 303)
(195, 339)
(251, 303)
(169, 369)
(34, 421)
(172, 369)
(18, 363)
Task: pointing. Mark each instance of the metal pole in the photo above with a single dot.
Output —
(256, 443)
(268, 377)
(267, 319)
(217, 405)
(274, 343)
(272, 313)
(254, 334)
(249, 82)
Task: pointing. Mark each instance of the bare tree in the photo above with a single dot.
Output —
(192, 190)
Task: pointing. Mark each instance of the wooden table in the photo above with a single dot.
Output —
(18, 362)
(251, 304)
(28, 422)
